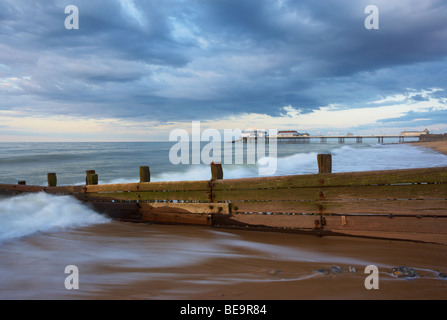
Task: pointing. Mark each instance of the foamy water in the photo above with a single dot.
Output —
(28, 214)
(41, 234)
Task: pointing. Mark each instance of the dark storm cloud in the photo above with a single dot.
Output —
(200, 59)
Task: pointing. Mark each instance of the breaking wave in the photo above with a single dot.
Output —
(28, 214)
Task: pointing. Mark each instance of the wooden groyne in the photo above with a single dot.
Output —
(409, 204)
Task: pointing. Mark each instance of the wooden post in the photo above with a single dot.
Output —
(145, 174)
(21, 182)
(89, 177)
(324, 163)
(216, 171)
(94, 178)
(52, 179)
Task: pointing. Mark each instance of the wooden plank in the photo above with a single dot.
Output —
(198, 208)
(30, 188)
(390, 235)
(200, 185)
(339, 223)
(21, 188)
(413, 191)
(172, 213)
(64, 190)
(406, 176)
(275, 206)
(268, 220)
(387, 207)
(427, 229)
(118, 210)
(177, 218)
(437, 225)
(389, 192)
(150, 196)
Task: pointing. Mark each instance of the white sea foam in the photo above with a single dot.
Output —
(40, 212)
(345, 158)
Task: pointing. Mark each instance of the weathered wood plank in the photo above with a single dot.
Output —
(177, 218)
(21, 188)
(64, 189)
(200, 185)
(150, 195)
(117, 210)
(428, 229)
(195, 208)
(379, 223)
(414, 191)
(31, 188)
(268, 220)
(406, 176)
(174, 215)
(337, 223)
(390, 235)
(387, 207)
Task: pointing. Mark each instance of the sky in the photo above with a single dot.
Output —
(135, 70)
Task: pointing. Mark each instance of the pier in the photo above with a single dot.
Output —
(409, 204)
(381, 139)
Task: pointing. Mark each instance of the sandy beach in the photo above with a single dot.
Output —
(440, 146)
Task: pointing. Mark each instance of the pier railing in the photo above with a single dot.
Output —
(406, 204)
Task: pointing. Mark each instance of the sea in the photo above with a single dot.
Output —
(56, 248)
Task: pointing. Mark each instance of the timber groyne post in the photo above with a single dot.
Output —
(324, 163)
(52, 179)
(145, 174)
(91, 177)
(216, 171)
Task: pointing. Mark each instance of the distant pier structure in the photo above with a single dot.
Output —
(291, 136)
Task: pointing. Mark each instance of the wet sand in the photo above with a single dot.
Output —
(160, 262)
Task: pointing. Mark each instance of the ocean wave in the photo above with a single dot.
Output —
(28, 214)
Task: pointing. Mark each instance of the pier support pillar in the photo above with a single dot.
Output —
(145, 174)
(324, 163)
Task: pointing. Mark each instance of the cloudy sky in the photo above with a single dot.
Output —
(137, 69)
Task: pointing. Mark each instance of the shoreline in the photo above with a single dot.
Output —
(439, 146)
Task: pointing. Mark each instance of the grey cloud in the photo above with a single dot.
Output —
(199, 59)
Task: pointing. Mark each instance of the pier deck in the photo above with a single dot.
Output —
(339, 138)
